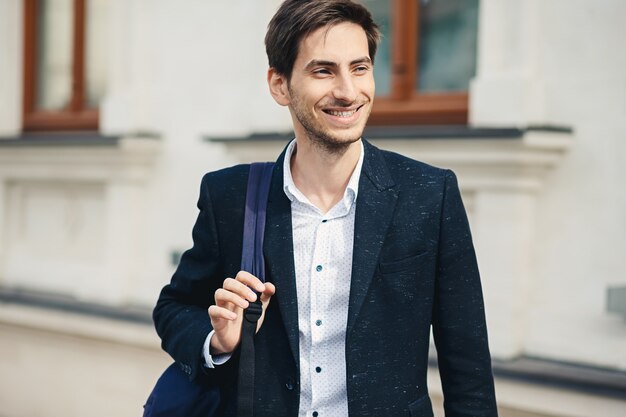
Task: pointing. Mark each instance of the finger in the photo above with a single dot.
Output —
(239, 288)
(269, 291)
(217, 313)
(224, 297)
(250, 280)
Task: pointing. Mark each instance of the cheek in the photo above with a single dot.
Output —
(368, 86)
(306, 95)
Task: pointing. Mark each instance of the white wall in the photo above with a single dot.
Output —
(186, 73)
(579, 251)
(563, 63)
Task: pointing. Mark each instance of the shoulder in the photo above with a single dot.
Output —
(403, 164)
(223, 187)
(233, 173)
(226, 179)
(406, 171)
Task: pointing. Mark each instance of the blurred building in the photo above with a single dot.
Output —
(111, 111)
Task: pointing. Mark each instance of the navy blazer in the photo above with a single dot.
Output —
(413, 266)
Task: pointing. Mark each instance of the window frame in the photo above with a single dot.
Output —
(76, 116)
(405, 104)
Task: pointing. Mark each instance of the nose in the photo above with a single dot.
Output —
(345, 88)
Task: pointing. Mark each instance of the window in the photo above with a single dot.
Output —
(426, 60)
(63, 64)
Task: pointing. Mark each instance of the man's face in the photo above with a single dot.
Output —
(331, 89)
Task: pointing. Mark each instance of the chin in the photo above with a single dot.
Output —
(337, 142)
(349, 135)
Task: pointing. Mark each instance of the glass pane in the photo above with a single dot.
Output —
(54, 54)
(381, 11)
(447, 47)
(95, 54)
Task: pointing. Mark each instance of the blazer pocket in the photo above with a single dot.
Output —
(406, 264)
(421, 407)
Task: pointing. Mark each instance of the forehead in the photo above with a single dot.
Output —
(341, 42)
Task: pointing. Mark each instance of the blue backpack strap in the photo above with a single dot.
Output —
(252, 261)
(258, 190)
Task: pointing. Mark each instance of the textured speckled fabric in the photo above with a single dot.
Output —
(413, 267)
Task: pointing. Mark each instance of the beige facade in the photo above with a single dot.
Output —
(91, 225)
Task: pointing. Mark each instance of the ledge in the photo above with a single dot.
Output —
(128, 326)
(413, 132)
(557, 374)
(577, 377)
(68, 156)
(68, 304)
(69, 139)
(495, 159)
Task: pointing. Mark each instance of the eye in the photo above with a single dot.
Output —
(321, 71)
(361, 69)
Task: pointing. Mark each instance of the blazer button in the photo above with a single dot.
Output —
(289, 384)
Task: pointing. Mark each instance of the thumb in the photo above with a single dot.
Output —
(266, 295)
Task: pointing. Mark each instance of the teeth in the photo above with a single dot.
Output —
(342, 113)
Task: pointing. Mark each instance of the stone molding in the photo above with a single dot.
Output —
(73, 215)
(128, 159)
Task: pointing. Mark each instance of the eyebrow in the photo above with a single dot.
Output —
(323, 63)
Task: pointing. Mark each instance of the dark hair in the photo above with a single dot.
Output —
(296, 19)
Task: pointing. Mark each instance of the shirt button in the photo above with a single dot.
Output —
(319, 268)
(315, 414)
(318, 369)
(318, 322)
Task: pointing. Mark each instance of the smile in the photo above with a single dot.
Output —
(344, 113)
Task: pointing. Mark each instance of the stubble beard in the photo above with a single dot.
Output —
(321, 138)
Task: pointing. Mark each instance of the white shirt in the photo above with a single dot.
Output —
(323, 245)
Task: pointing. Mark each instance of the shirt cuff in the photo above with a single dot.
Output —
(211, 361)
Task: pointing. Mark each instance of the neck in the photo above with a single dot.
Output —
(323, 176)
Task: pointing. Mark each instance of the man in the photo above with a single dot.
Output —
(364, 249)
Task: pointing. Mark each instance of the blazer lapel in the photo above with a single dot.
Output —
(375, 206)
(278, 251)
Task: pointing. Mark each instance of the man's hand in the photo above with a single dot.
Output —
(227, 313)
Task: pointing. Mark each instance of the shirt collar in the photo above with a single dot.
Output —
(292, 192)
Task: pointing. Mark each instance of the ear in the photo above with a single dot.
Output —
(279, 87)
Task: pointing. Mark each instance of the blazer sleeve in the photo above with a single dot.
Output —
(180, 315)
(459, 327)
